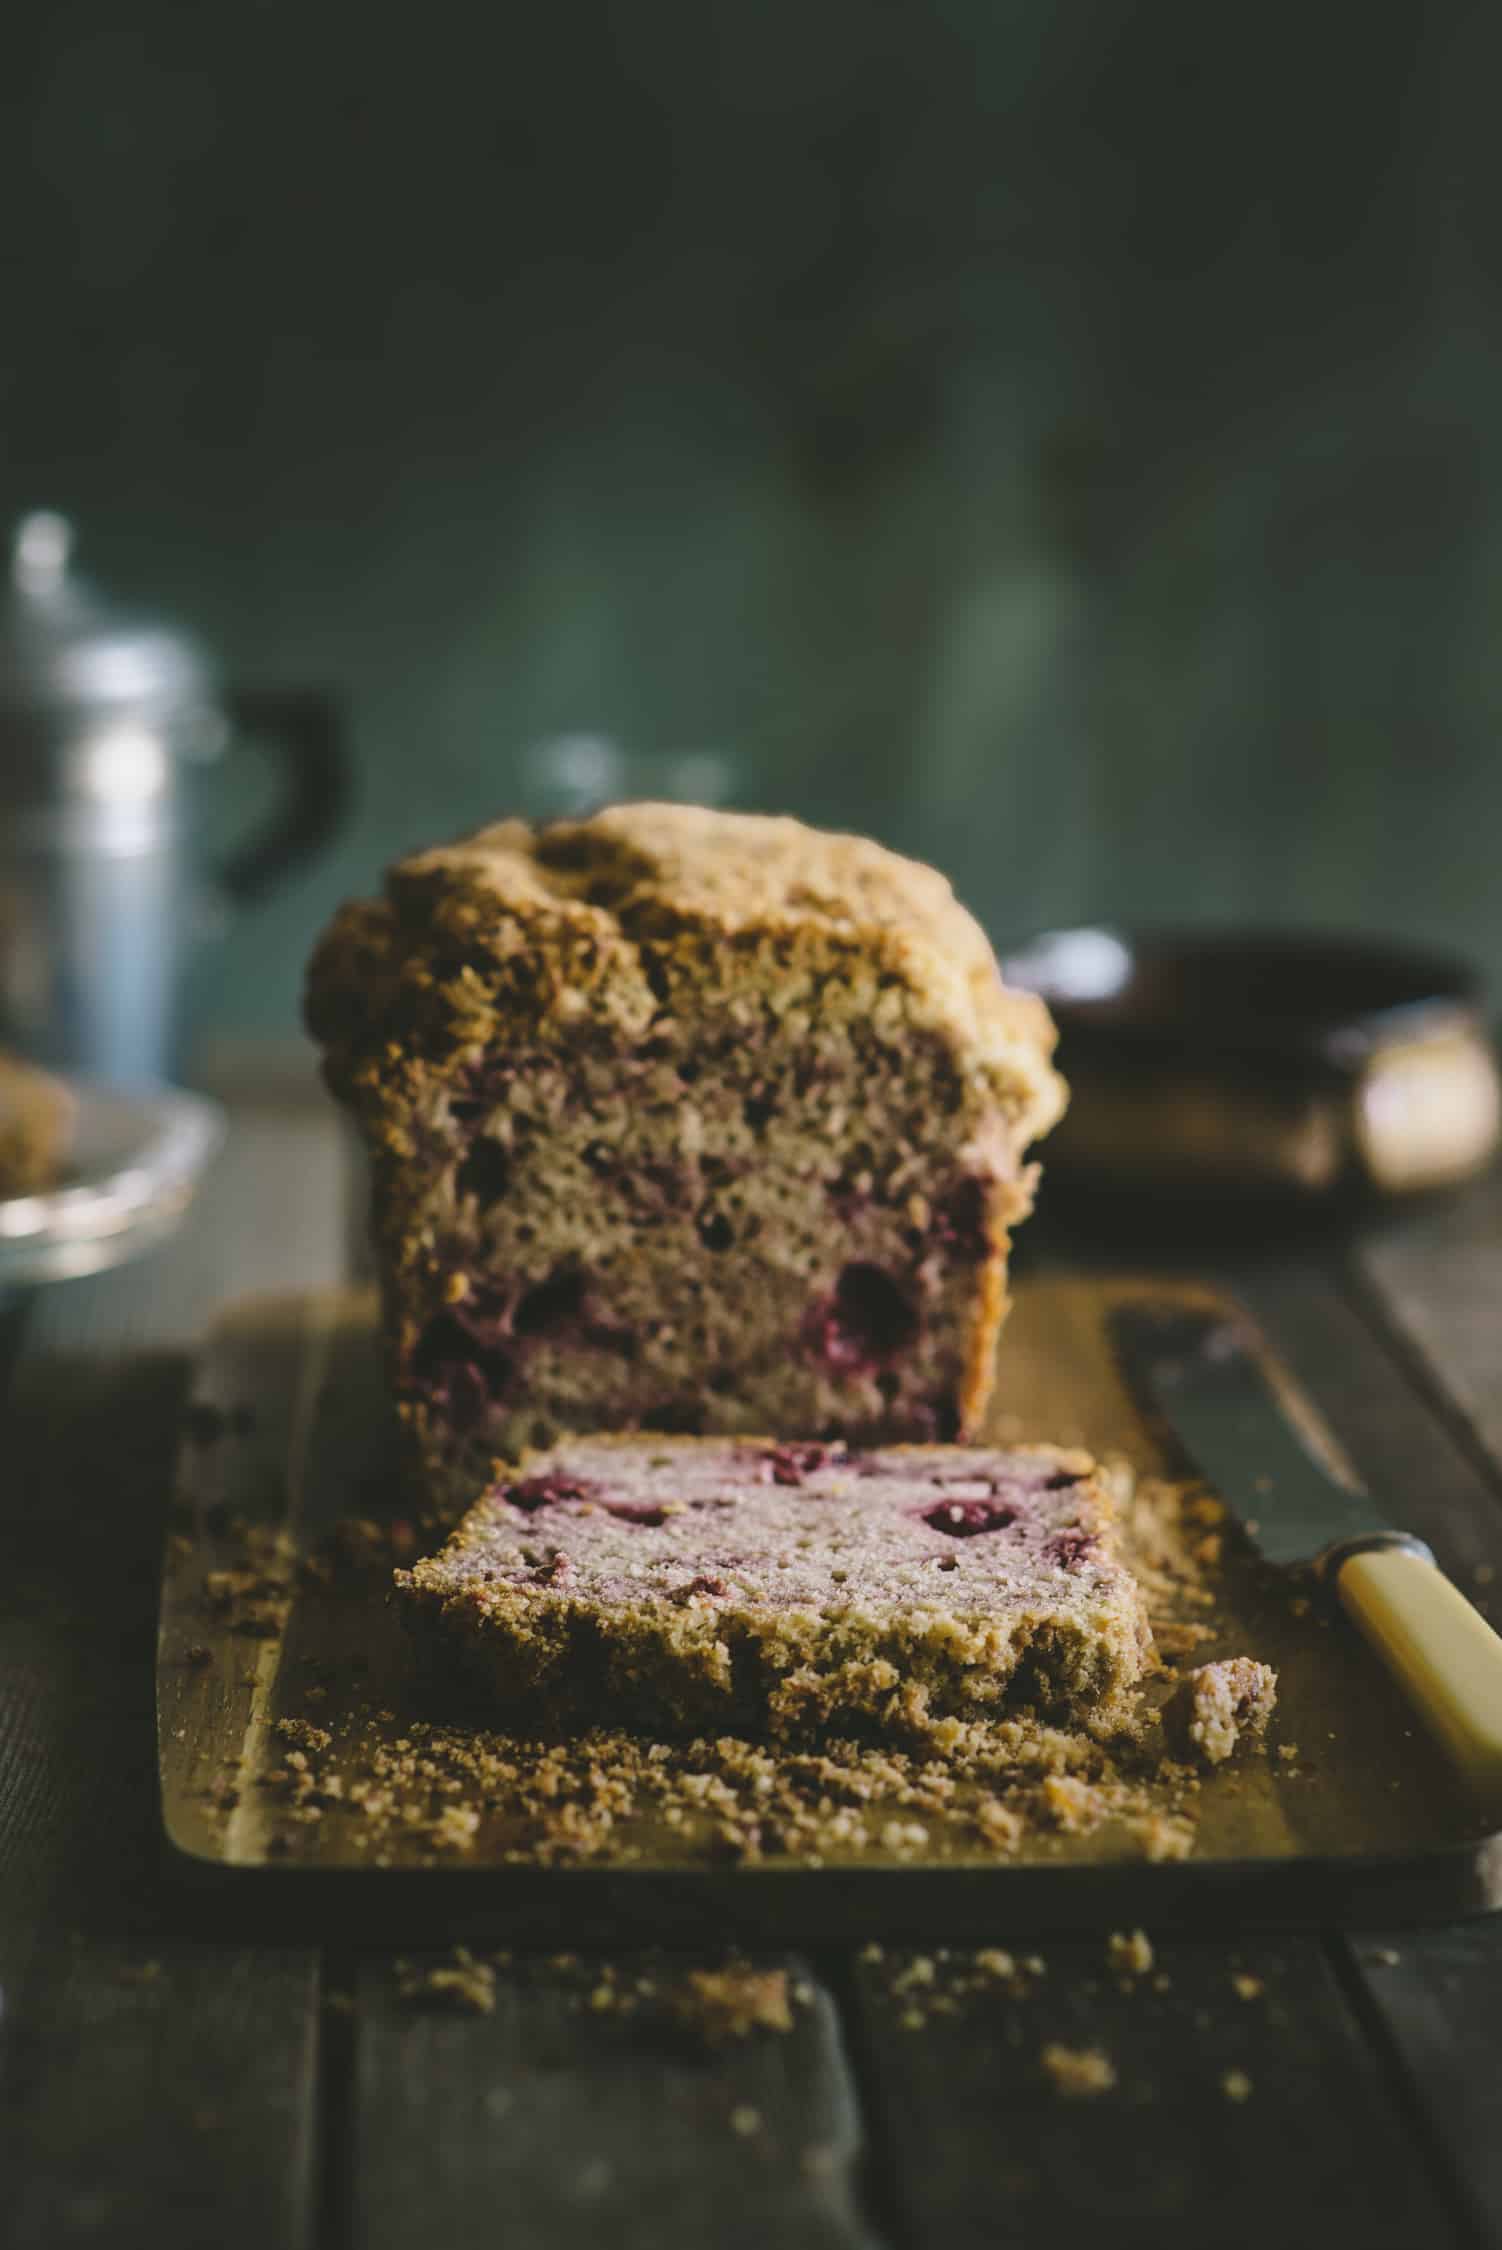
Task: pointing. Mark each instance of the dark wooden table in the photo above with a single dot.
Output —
(174, 2079)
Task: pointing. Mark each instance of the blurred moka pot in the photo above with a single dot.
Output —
(101, 887)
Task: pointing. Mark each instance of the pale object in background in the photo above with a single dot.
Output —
(567, 776)
(104, 888)
(1429, 1113)
(136, 1158)
(1233, 1063)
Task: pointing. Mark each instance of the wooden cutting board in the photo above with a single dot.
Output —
(277, 1643)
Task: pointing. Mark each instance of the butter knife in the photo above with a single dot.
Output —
(1205, 1372)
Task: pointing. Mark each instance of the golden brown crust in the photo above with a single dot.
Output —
(992, 1302)
(590, 915)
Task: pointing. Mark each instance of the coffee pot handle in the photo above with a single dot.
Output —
(302, 727)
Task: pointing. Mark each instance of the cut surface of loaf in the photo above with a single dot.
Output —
(691, 1583)
(681, 1119)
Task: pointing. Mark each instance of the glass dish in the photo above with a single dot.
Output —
(136, 1157)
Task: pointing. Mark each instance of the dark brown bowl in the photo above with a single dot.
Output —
(1229, 1060)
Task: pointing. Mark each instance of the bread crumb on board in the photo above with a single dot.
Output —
(416, 1790)
(1222, 1705)
(1236, 2086)
(1162, 1837)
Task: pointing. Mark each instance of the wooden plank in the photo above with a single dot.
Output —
(1434, 1277)
(164, 2096)
(88, 1450)
(150, 2083)
(551, 2122)
(1431, 1280)
(90, 1441)
(984, 2149)
(1432, 1997)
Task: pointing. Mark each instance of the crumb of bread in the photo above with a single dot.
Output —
(719, 2005)
(1236, 2086)
(609, 1794)
(947, 1982)
(454, 1828)
(463, 1982)
(1222, 1705)
(1166, 1525)
(922, 1969)
(1162, 1837)
(1247, 1987)
(1000, 1825)
(1129, 1952)
(1176, 1637)
(1079, 2073)
(1073, 1803)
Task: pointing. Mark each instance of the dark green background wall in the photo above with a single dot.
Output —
(1066, 439)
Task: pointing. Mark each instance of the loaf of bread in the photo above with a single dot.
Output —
(696, 1584)
(681, 1120)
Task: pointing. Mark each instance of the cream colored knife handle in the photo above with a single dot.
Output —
(1443, 1653)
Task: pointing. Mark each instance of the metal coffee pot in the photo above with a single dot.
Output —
(103, 889)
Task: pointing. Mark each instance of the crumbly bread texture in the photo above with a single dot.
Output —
(36, 1121)
(681, 1120)
(688, 1583)
(1078, 2073)
(1220, 1706)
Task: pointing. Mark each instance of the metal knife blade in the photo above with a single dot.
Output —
(1204, 1371)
